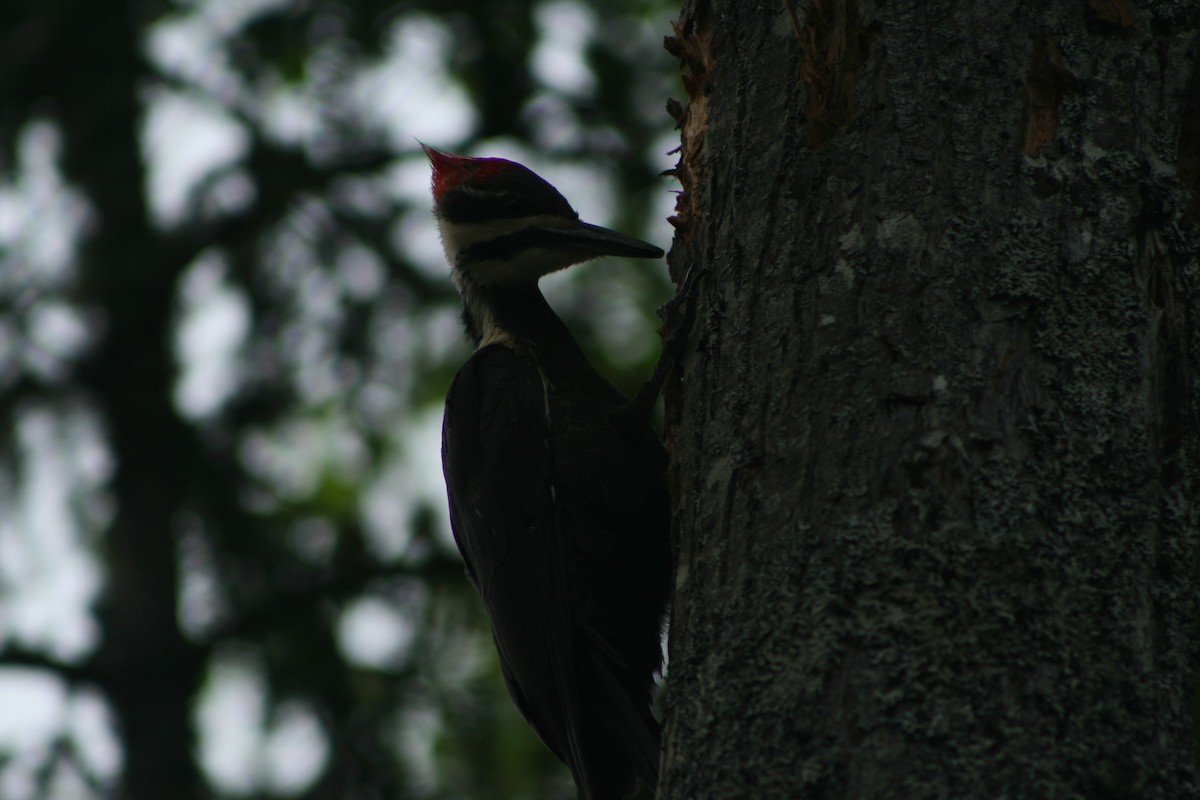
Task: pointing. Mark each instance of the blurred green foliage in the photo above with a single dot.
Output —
(224, 317)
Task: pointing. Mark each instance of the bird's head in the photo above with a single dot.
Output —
(502, 224)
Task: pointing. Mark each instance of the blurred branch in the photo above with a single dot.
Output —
(286, 602)
(285, 173)
(16, 656)
(375, 231)
(65, 752)
(283, 176)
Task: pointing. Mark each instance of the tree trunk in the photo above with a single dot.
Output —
(149, 672)
(937, 446)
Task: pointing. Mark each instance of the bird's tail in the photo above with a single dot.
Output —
(616, 747)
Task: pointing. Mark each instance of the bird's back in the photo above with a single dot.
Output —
(559, 508)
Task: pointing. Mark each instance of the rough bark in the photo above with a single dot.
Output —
(937, 446)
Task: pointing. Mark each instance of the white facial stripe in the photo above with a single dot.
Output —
(533, 264)
(458, 236)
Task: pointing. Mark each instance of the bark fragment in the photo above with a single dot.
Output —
(835, 46)
(1114, 12)
(1044, 85)
(692, 45)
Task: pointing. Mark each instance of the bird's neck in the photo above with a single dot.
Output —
(512, 313)
(519, 316)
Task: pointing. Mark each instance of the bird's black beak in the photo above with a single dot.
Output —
(593, 240)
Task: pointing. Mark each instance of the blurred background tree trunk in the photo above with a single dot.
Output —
(937, 448)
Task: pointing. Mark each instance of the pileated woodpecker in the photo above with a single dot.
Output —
(556, 485)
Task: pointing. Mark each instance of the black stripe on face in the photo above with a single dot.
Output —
(467, 206)
(512, 194)
(503, 248)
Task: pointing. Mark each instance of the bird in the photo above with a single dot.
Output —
(555, 480)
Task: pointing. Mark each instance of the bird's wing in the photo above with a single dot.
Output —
(498, 478)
